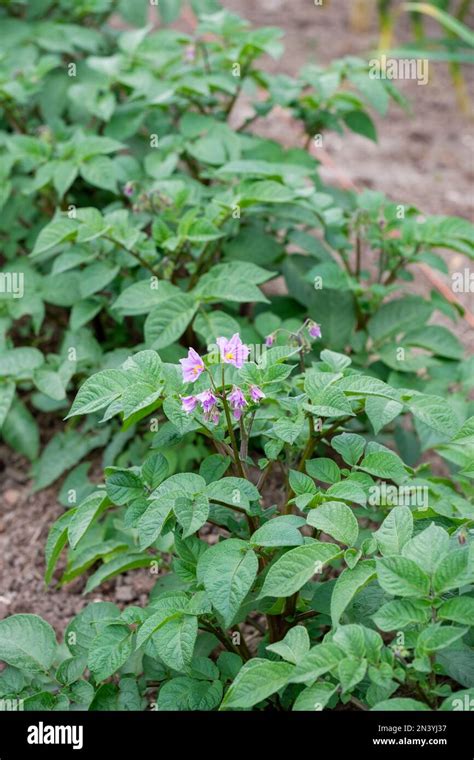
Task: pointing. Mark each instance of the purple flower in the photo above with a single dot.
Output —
(192, 366)
(190, 53)
(269, 340)
(213, 416)
(237, 402)
(233, 351)
(256, 394)
(314, 330)
(128, 189)
(207, 399)
(189, 403)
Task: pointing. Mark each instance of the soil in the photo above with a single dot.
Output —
(25, 520)
(426, 158)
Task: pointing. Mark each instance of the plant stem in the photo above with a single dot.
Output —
(230, 428)
(135, 255)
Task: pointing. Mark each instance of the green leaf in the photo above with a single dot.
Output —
(381, 411)
(402, 612)
(314, 697)
(400, 703)
(236, 492)
(122, 485)
(83, 517)
(27, 642)
(154, 470)
(350, 672)
(231, 568)
(212, 324)
(166, 608)
(64, 451)
(437, 636)
(50, 383)
(257, 680)
(437, 339)
(56, 232)
(280, 531)
(337, 520)
(348, 584)
(295, 568)
(350, 446)
(398, 316)
(20, 362)
(348, 490)
(360, 122)
(96, 277)
(167, 322)
(57, 539)
(186, 694)
(214, 467)
(100, 171)
(459, 609)
(384, 464)
(323, 469)
(454, 570)
(286, 430)
(7, 392)
(20, 430)
(427, 547)
(265, 191)
(330, 402)
(191, 513)
(116, 566)
(293, 646)
(170, 10)
(64, 175)
(234, 281)
(99, 391)
(402, 577)
(395, 531)
(152, 521)
(109, 651)
(143, 296)
(175, 641)
(301, 483)
(319, 660)
(434, 412)
(71, 670)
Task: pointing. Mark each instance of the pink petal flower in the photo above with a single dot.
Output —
(192, 366)
(233, 351)
(208, 400)
(237, 402)
(314, 330)
(256, 394)
(269, 340)
(189, 403)
(212, 416)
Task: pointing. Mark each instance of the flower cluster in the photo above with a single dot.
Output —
(314, 331)
(232, 351)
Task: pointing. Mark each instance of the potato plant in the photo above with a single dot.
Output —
(286, 431)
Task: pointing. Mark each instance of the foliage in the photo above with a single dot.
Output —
(307, 553)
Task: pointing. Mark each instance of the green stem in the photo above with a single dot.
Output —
(230, 427)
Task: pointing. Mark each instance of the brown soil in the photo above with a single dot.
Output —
(25, 520)
(426, 158)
